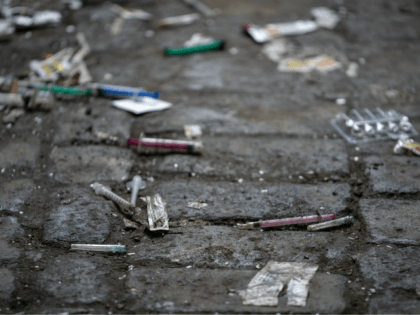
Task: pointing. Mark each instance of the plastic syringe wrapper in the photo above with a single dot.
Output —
(157, 214)
(265, 287)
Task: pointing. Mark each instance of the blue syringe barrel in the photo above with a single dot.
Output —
(124, 91)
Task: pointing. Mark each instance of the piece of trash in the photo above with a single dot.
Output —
(141, 105)
(99, 248)
(341, 101)
(275, 49)
(352, 70)
(56, 89)
(156, 212)
(197, 205)
(321, 63)
(186, 19)
(130, 14)
(325, 17)
(265, 287)
(135, 185)
(117, 26)
(12, 100)
(6, 29)
(130, 224)
(326, 225)
(373, 127)
(23, 17)
(407, 146)
(182, 51)
(201, 7)
(271, 31)
(198, 39)
(127, 208)
(192, 132)
(165, 144)
(117, 91)
(13, 116)
(287, 221)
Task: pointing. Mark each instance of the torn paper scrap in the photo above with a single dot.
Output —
(321, 63)
(156, 212)
(141, 105)
(325, 17)
(265, 287)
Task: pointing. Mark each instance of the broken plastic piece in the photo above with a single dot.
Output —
(264, 288)
(182, 51)
(99, 248)
(271, 31)
(141, 105)
(175, 145)
(326, 225)
(373, 127)
(135, 185)
(407, 146)
(156, 212)
(179, 20)
(287, 221)
(325, 17)
(192, 132)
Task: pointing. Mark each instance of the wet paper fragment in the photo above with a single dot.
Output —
(264, 288)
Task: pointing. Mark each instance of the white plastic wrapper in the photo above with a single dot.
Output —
(192, 132)
(198, 39)
(271, 31)
(46, 18)
(265, 287)
(325, 17)
(275, 50)
(141, 105)
(156, 213)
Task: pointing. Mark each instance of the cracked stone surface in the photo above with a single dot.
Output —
(14, 194)
(392, 221)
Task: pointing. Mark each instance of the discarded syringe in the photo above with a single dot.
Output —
(152, 145)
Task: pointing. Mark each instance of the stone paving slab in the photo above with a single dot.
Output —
(7, 286)
(73, 278)
(227, 200)
(228, 247)
(205, 290)
(84, 221)
(392, 221)
(392, 303)
(79, 164)
(14, 193)
(275, 157)
(10, 231)
(393, 174)
(20, 152)
(391, 267)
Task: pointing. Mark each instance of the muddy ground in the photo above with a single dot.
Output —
(269, 152)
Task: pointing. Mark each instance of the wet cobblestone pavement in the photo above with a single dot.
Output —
(269, 152)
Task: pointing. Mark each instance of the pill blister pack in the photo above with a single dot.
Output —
(368, 126)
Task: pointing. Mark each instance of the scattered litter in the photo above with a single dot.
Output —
(407, 146)
(13, 116)
(141, 105)
(192, 132)
(265, 287)
(199, 48)
(287, 221)
(99, 248)
(271, 31)
(156, 212)
(179, 20)
(326, 225)
(371, 127)
(275, 49)
(321, 63)
(352, 70)
(165, 144)
(341, 101)
(201, 7)
(135, 185)
(117, 91)
(325, 17)
(130, 14)
(198, 39)
(197, 205)
(22, 17)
